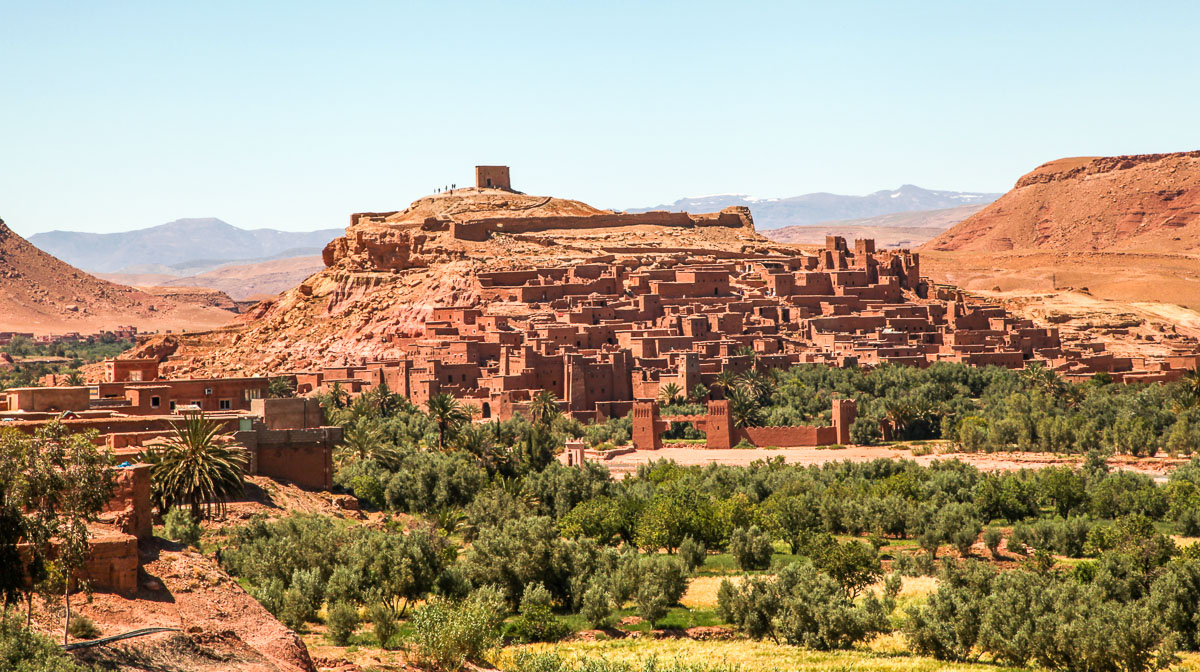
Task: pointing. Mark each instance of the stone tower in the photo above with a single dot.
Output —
(492, 177)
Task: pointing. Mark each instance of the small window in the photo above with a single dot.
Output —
(172, 407)
(199, 403)
(207, 391)
(226, 404)
(155, 402)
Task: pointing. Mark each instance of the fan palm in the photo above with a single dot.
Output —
(198, 467)
(448, 416)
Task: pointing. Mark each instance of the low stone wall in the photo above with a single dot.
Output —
(789, 437)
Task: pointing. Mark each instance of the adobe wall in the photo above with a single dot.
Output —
(293, 413)
(480, 229)
(131, 501)
(788, 437)
(112, 563)
(48, 399)
(302, 456)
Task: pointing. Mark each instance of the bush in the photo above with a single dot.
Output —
(82, 627)
(597, 606)
(22, 650)
(447, 634)
(751, 548)
(661, 583)
(991, 539)
(179, 525)
(536, 622)
(692, 553)
(342, 621)
(295, 610)
(804, 607)
(383, 623)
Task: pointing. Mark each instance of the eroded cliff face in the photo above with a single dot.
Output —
(386, 275)
(1143, 203)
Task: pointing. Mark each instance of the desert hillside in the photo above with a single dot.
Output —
(41, 294)
(1141, 203)
(1123, 228)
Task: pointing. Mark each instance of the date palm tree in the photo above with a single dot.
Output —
(669, 394)
(448, 416)
(543, 408)
(199, 467)
(363, 440)
(280, 388)
(74, 379)
(743, 408)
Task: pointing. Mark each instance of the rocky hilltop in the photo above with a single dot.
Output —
(383, 279)
(39, 293)
(1139, 203)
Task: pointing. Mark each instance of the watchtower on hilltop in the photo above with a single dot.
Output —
(492, 177)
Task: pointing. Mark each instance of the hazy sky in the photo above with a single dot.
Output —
(292, 115)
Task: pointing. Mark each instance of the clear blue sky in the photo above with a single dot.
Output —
(292, 115)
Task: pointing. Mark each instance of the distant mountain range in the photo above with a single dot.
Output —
(180, 248)
(818, 208)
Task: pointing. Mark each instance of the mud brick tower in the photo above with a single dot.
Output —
(492, 177)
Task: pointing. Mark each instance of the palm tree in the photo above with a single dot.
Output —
(338, 396)
(74, 379)
(543, 408)
(669, 394)
(900, 414)
(743, 408)
(699, 393)
(726, 380)
(280, 388)
(199, 467)
(448, 415)
(364, 441)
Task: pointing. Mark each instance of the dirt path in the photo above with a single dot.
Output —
(1156, 467)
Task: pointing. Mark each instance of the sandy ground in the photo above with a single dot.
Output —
(1157, 467)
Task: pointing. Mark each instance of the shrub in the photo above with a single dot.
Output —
(661, 583)
(180, 525)
(383, 623)
(991, 539)
(536, 622)
(692, 553)
(597, 606)
(751, 548)
(342, 621)
(311, 588)
(269, 595)
(447, 634)
(804, 607)
(27, 651)
(295, 610)
(82, 627)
